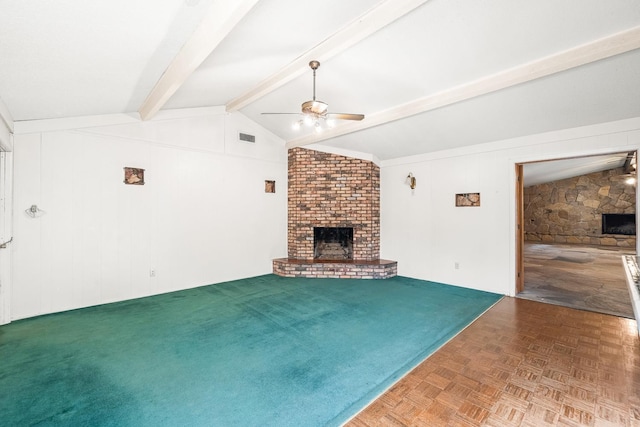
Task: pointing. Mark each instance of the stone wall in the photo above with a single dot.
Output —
(570, 210)
(327, 190)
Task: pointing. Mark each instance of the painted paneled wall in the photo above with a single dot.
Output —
(202, 217)
(432, 239)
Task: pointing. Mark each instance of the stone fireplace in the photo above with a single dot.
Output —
(593, 209)
(336, 193)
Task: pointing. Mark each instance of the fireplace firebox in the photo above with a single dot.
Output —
(332, 243)
(619, 224)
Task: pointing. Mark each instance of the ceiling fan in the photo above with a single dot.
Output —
(315, 113)
(629, 170)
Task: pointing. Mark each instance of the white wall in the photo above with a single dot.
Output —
(202, 217)
(424, 231)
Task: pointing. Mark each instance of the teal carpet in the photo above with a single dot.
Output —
(265, 351)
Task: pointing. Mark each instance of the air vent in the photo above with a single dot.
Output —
(246, 137)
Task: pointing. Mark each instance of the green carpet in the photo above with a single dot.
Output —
(265, 351)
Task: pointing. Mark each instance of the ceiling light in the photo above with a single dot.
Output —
(318, 122)
(308, 120)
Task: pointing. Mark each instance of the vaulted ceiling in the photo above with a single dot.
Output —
(428, 74)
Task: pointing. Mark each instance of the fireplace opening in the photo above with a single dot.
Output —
(332, 243)
(619, 224)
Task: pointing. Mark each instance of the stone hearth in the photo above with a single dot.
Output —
(328, 190)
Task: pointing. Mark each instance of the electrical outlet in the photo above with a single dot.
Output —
(457, 265)
(152, 273)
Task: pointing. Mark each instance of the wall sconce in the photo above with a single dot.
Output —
(411, 180)
(34, 211)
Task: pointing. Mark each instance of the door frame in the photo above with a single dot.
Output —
(519, 227)
(6, 234)
(519, 210)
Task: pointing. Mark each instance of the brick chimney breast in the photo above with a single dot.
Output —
(328, 190)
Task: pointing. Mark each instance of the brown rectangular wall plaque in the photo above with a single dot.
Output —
(269, 186)
(467, 199)
(134, 176)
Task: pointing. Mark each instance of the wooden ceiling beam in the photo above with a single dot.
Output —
(221, 18)
(375, 19)
(597, 50)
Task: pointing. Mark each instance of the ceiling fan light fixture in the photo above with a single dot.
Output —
(308, 120)
(317, 127)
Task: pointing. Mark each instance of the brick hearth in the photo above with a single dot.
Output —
(328, 190)
(379, 269)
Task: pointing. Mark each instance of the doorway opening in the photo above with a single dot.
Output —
(564, 256)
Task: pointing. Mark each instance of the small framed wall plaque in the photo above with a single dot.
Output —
(269, 186)
(134, 176)
(467, 199)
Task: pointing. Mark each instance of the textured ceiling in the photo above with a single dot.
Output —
(73, 58)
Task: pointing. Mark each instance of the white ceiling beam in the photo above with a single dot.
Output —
(375, 19)
(603, 48)
(6, 128)
(221, 18)
(5, 116)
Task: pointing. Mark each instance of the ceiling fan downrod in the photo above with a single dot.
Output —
(314, 66)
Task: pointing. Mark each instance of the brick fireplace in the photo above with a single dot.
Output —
(335, 192)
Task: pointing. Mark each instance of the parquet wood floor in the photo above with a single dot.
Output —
(522, 363)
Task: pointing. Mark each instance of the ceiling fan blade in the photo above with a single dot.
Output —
(297, 114)
(622, 177)
(346, 116)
